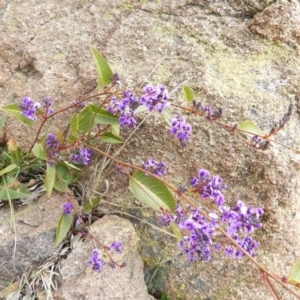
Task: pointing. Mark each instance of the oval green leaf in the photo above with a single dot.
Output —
(63, 178)
(115, 129)
(8, 169)
(71, 165)
(63, 227)
(103, 116)
(251, 127)
(2, 121)
(14, 109)
(141, 108)
(188, 94)
(151, 191)
(294, 276)
(176, 231)
(50, 179)
(110, 138)
(39, 151)
(167, 116)
(105, 74)
(82, 122)
(11, 189)
(90, 205)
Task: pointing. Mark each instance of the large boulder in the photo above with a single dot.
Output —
(226, 51)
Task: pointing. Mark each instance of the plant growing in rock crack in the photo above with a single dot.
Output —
(201, 229)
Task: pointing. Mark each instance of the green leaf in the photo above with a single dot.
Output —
(12, 189)
(108, 137)
(176, 231)
(71, 165)
(15, 110)
(16, 155)
(115, 129)
(188, 94)
(82, 122)
(105, 74)
(151, 191)
(50, 179)
(103, 116)
(63, 227)
(167, 116)
(60, 136)
(90, 205)
(294, 276)
(8, 169)
(39, 151)
(62, 178)
(141, 108)
(251, 127)
(2, 121)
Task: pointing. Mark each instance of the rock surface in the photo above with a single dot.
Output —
(238, 55)
(81, 282)
(33, 241)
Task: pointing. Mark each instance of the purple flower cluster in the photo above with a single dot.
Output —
(158, 168)
(155, 97)
(84, 156)
(47, 102)
(241, 222)
(96, 262)
(116, 246)
(199, 231)
(241, 218)
(258, 143)
(247, 243)
(68, 207)
(197, 241)
(125, 108)
(208, 111)
(209, 187)
(53, 145)
(29, 108)
(197, 244)
(181, 129)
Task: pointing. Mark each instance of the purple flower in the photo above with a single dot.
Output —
(128, 120)
(247, 243)
(84, 156)
(52, 142)
(68, 208)
(181, 129)
(241, 218)
(29, 108)
(47, 102)
(159, 168)
(208, 111)
(209, 187)
(117, 79)
(112, 264)
(80, 104)
(114, 106)
(197, 245)
(165, 220)
(53, 145)
(128, 103)
(125, 108)
(155, 98)
(198, 242)
(96, 262)
(117, 246)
